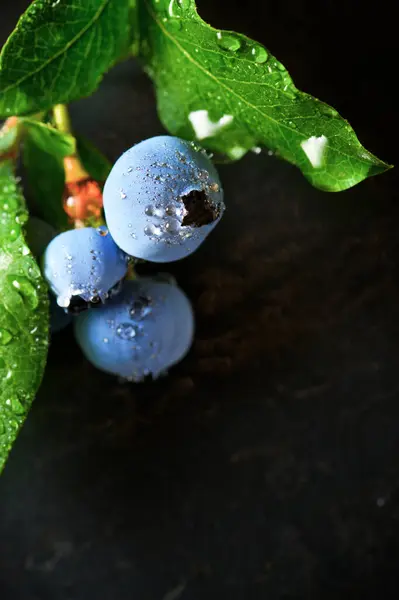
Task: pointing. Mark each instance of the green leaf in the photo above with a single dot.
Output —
(59, 52)
(232, 95)
(45, 178)
(23, 315)
(95, 163)
(49, 139)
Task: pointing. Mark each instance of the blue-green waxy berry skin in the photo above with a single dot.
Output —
(85, 263)
(142, 331)
(162, 198)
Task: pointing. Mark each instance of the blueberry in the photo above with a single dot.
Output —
(162, 198)
(143, 331)
(82, 265)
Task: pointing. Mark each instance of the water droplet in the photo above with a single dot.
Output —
(184, 4)
(14, 234)
(25, 290)
(159, 212)
(151, 230)
(174, 9)
(126, 331)
(141, 308)
(105, 340)
(22, 217)
(214, 187)
(170, 210)
(228, 41)
(5, 336)
(123, 194)
(172, 226)
(175, 24)
(102, 230)
(259, 54)
(16, 406)
(149, 210)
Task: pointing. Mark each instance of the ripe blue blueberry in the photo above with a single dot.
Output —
(143, 331)
(83, 263)
(162, 198)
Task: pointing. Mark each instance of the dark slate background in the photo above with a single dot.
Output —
(266, 465)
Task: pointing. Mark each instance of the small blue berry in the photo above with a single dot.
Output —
(162, 198)
(84, 263)
(143, 331)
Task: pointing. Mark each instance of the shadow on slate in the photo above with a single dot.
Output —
(266, 465)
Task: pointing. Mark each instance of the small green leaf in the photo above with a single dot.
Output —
(231, 94)
(49, 139)
(23, 315)
(95, 163)
(45, 177)
(59, 52)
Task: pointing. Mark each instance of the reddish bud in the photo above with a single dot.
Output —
(83, 200)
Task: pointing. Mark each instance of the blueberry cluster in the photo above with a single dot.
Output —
(161, 200)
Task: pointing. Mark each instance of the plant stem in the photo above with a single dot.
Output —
(61, 118)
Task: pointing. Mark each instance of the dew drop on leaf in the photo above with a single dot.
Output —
(16, 406)
(26, 290)
(184, 4)
(259, 54)
(5, 336)
(175, 24)
(21, 217)
(228, 41)
(14, 233)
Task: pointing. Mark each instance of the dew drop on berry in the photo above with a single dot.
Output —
(141, 308)
(126, 331)
(172, 226)
(152, 230)
(170, 210)
(102, 230)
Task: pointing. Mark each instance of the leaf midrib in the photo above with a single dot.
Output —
(73, 41)
(231, 91)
